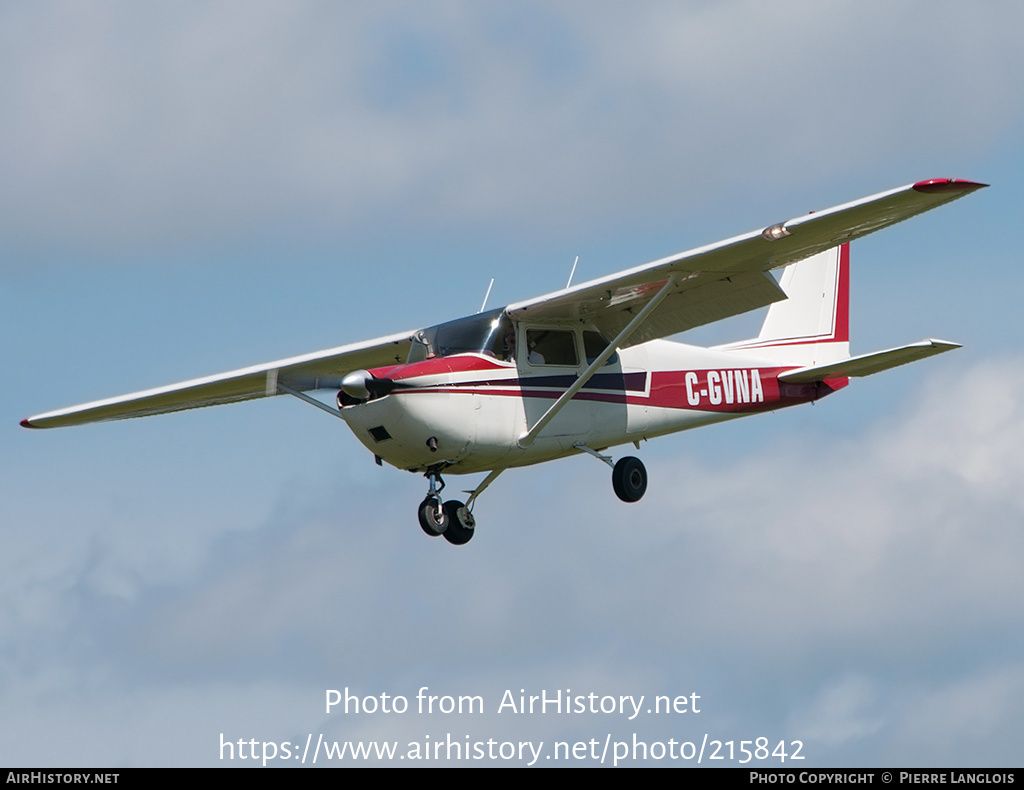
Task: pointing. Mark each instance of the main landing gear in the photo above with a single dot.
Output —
(629, 479)
(629, 476)
(451, 519)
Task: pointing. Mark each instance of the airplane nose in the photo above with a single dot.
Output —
(354, 384)
(362, 385)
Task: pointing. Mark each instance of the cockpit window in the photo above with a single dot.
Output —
(551, 347)
(503, 341)
(489, 333)
(593, 344)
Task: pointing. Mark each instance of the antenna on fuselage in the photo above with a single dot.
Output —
(486, 295)
(573, 271)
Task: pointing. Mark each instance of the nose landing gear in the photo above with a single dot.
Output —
(432, 515)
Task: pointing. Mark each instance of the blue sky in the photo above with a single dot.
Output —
(189, 188)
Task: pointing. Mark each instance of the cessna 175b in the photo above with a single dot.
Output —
(585, 368)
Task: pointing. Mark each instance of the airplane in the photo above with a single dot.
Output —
(586, 368)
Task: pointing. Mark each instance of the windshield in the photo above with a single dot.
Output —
(489, 333)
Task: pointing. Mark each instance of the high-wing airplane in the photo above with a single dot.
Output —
(585, 368)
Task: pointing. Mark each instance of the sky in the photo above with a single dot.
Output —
(188, 188)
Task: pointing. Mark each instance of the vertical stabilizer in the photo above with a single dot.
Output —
(812, 325)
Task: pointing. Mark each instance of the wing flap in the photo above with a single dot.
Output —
(704, 303)
(868, 364)
(307, 372)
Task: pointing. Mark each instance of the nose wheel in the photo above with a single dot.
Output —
(433, 516)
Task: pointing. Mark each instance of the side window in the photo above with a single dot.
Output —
(593, 344)
(551, 347)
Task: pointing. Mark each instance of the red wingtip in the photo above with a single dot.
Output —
(947, 185)
(27, 424)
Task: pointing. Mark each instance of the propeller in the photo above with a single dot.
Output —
(360, 384)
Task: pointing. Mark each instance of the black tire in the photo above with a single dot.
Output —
(629, 479)
(433, 517)
(461, 524)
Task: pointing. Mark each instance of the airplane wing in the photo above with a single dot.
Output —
(730, 277)
(307, 372)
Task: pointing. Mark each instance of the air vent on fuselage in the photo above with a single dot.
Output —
(380, 434)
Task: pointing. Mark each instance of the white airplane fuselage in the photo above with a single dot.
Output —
(468, 411)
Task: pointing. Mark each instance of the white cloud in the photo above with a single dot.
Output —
(131, 125)
(840, 713)
(976, 714)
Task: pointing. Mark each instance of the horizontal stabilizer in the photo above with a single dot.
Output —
(868, 364)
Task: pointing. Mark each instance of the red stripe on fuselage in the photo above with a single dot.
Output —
(438, 366)
(731, 390)
(739, 390)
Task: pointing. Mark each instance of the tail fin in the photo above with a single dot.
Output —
(812, 325)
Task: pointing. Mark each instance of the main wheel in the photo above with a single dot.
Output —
(629, 479)
(461, 524)
(433, 517)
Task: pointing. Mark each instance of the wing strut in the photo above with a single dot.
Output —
(310, 400)
(527, 438)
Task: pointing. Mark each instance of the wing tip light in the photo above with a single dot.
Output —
(934, 185)
(27, 424)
